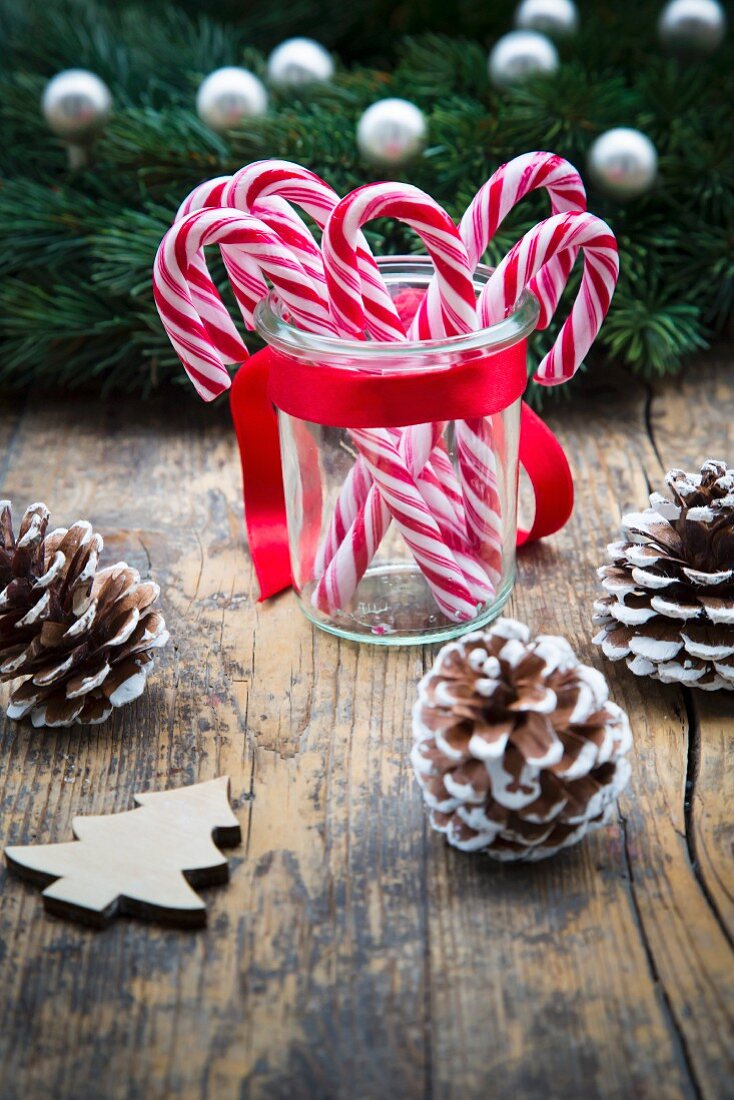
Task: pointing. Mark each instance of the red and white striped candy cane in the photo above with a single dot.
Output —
(433, 225)
(352, 496)
(601, 269)
(347, 566)
(244, 272)
(267, 178)
(174, 299)
(341, 246)
(505, 188)
(452, 311)
(490, 206)
(475, 445)
(211, 309)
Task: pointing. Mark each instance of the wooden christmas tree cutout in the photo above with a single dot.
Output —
(144, 861)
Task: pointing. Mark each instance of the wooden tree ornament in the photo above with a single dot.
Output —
(144, 861)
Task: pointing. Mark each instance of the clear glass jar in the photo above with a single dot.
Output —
(393, 602)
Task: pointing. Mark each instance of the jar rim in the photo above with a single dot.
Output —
(408, 271)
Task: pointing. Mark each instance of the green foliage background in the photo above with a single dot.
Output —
(77, 248)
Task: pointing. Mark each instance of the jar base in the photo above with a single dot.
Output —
(394, 607)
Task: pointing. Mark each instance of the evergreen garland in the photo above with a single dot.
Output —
(75, 299)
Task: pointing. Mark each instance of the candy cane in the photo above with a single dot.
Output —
(475, 444)
(244, 272)
(452, 311)
(263, 179)
(436, 229)
(475, 452)
(490, 206)
(352, 496)
(601, 269)
(348, 564)
(341, 246)
(492, 203)
(505, 188)
(210, 307)
(174, 299)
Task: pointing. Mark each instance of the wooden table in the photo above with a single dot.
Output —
(353, 954)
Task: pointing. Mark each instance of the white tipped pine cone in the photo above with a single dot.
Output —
(670, 605)
(79, 638)
(518, 749)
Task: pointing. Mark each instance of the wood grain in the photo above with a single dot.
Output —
(352, 954)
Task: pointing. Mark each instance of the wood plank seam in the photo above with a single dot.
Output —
(692, 773)
(681, 1043)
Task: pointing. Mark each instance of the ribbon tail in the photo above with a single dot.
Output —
(547, 467)
(256, 426)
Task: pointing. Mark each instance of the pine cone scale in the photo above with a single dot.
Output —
(86, 682)
(718, 609)
(671, 608)
(538, 744)
(57, 672)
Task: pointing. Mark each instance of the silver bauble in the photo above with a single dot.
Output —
(300, 61)
(76, 105)
(520, 54)
(558, 18)
(227, 96)
(391, 131)
(623, 163)
(695, 26)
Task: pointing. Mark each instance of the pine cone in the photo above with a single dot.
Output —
(517, 747)
(670, 608)
(80, 638)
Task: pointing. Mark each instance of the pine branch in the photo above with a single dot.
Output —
(75, 302)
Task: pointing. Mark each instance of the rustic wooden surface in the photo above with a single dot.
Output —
(353, 955)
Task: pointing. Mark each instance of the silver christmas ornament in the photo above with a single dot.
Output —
(300, 61)
(520, 54)
(391, 131)
(558, 18)
(76, 105)
(692, 26)
(227, 96)
(623, 163)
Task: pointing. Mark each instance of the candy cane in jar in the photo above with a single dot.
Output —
(418, 210)
(506, 187)
(268, 178)
(181, 318)
(550, 238)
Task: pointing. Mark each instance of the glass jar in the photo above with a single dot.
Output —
(392, 582)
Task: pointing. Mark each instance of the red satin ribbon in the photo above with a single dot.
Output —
(547, 467)
(349, 399)
(256, 425)
(358, 399)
